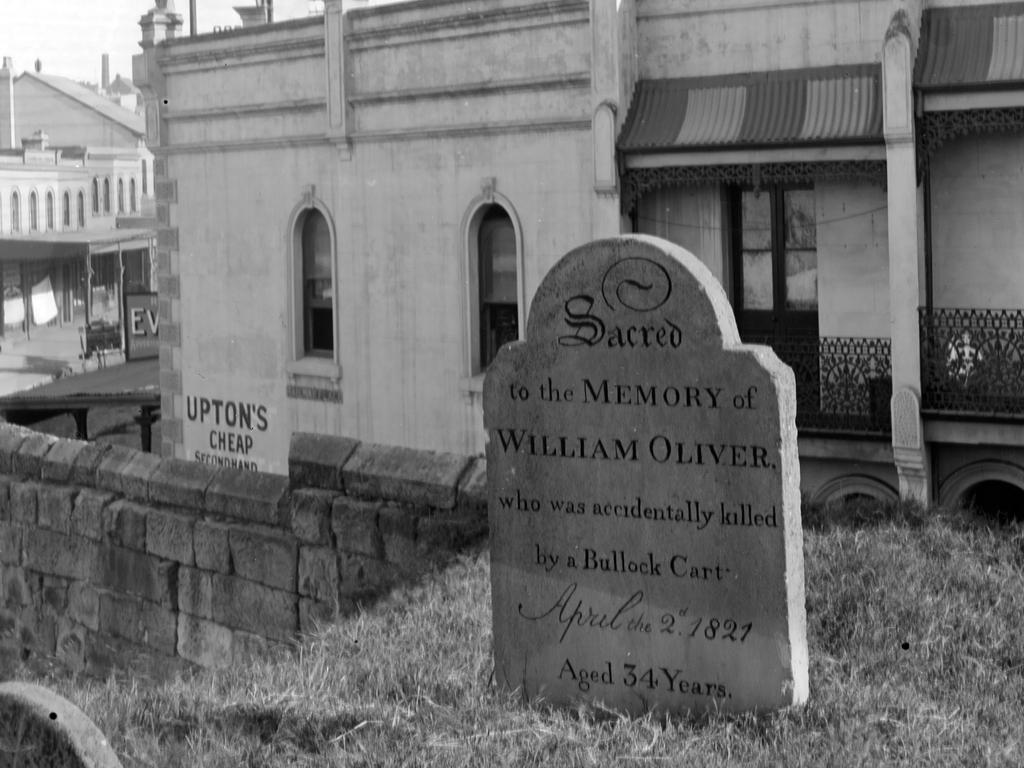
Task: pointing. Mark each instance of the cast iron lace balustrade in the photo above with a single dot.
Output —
(972, 361)
(843, 383)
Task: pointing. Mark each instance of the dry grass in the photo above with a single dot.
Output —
(917, 659)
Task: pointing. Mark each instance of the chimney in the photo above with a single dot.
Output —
(39, 140)
(252, 15)
(105, 72)
(39, 65)
(7, 133)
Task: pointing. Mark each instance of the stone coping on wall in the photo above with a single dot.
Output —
(111, 557)
(437, 480)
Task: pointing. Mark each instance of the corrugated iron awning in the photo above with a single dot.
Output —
(971, 47)
(828, 105)
(41, 246)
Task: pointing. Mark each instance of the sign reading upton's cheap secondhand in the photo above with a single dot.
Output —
(227, 432)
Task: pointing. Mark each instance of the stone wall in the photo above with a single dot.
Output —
(113, 557)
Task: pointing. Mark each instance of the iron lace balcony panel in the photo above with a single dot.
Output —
(843, 383)
(972, 362)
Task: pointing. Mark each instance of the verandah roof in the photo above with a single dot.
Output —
(973, 47)
(41, 246)
(826, 105)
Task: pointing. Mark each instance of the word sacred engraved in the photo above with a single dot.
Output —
(636, 284)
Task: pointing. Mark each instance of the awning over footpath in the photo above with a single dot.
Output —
(66, 245)
(789, 108)
(979, 47)
(134, 383)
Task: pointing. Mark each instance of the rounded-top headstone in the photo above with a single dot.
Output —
(643, 481)
(41, 728)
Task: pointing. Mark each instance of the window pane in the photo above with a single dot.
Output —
(757, 280)
(756, 220)
(316, 248)
(321, 329)
(802, 279)
(799, 212)
(497, 247)
(319, 289)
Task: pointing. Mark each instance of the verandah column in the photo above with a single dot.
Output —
(909, 450)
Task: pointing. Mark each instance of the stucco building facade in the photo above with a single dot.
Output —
(356, 209)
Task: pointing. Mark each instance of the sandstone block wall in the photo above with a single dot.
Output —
(113, 557)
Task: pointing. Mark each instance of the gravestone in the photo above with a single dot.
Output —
(42, 729)
(643, 481)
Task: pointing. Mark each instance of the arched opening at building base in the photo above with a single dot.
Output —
(992, 489)
(998, 500)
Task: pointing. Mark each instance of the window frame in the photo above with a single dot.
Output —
(779, 320)
(472, 220)
(15, 211)
(324, 364)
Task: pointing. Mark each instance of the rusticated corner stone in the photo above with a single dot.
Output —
(127, 472)
(181, 483)
(57, 465)
(49, 730)
(11, 438)
(422, 478)
(315, 461)
(257, 497)
(27, 461)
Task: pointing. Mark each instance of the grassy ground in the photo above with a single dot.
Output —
(916, 659)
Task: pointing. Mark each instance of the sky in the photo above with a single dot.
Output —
(69, 37)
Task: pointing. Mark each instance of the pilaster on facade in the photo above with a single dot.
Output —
(606, 113)
(905, 281)
(339, 108)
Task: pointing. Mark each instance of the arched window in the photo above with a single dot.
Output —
(145, 179)
(33, 212)
(131, 195)
(317, 285)
(106, 195)
(120, 195)
(95, 195)
(15, 212)
(498, 282)
(81, 209)
(66, 210)
(49, 210)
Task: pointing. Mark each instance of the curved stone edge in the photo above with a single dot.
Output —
(71, 726)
